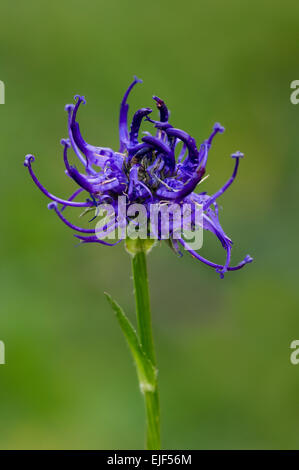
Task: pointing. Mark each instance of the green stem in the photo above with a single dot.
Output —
(144, 323)
(142, 298)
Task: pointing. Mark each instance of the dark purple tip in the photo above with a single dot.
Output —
(221, 272)
(29, 159)
(52, 205)
(80, 98)
(218, 128)
(69, 107)
(237, 154)
(65, 142)
(138, 80)
(158, 101)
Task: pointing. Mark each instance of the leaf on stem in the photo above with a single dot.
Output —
(146, 371)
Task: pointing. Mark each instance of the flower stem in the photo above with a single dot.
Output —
(142, 298)
(144, 323)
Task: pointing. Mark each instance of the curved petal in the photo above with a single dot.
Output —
(164, 113)
(28, 160)
(246, 260)
(94, 239)
(136, 123)
(72, 197)
(123, 118)
(94, 155)
(188, 140)
(213, 198)
(187, 188)
(207, 144)
(78, 177)
(53, 205)
(166, 153)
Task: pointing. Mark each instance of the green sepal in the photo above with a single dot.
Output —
(139, 244)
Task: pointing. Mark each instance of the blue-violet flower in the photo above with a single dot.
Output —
(146, 172)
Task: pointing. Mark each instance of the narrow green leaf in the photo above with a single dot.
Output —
(145, 369)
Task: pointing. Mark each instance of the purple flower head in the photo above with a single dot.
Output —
(145, 171)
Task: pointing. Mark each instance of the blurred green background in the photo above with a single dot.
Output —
(223, 346)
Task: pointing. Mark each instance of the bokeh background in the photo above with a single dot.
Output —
(223, 346)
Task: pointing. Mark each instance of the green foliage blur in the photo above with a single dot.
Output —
(223, 346)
